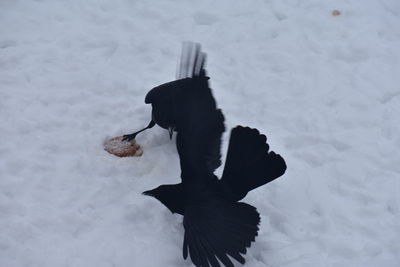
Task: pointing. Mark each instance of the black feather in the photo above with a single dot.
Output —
(249, 164)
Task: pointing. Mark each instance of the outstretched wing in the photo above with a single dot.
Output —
(198, 121)
(249, 163)
(198, 142)
(216, 229)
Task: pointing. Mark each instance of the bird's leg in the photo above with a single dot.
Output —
(171, 131)
(129, 137)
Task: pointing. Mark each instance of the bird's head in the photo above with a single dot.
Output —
(167, 101)
(172, 196)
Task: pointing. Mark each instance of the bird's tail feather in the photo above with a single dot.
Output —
(217, 229)
(249, 163)
(192, 61)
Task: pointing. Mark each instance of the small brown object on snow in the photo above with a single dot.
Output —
(121, 148)
(336, 12)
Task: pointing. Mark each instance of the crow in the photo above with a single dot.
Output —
(166, 99)
(216, 224)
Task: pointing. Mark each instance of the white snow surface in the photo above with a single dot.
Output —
(324, 89)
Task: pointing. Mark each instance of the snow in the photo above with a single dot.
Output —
(324, 89)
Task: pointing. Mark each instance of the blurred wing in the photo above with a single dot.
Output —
(216, 229)
(198, 121)
(192, 61)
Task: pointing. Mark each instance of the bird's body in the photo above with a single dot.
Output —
(212, 214)
(216, 224)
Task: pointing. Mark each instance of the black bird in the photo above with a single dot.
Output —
(216, 224)
(166, 100)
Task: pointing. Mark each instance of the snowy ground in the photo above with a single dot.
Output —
(325, 89)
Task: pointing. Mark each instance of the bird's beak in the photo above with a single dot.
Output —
(148, 193)
(171, 132)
